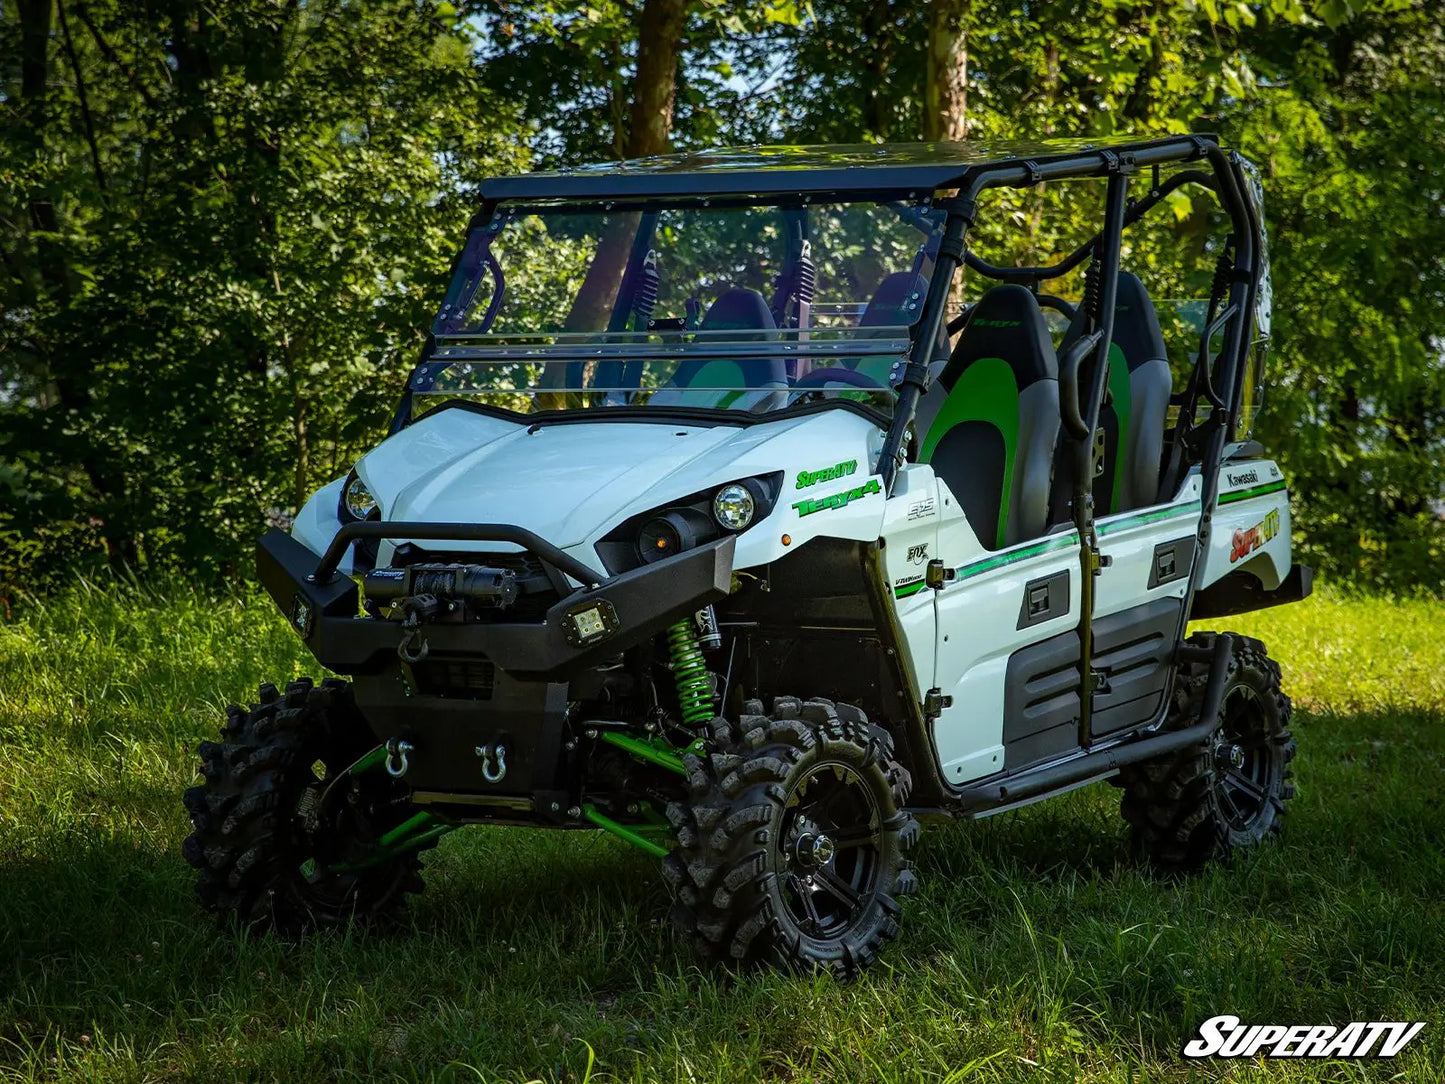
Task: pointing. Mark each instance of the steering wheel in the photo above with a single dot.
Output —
(812, 384)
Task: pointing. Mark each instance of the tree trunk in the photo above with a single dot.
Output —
(878, 100)
(654, 93)
(654, 87)
(945, 87)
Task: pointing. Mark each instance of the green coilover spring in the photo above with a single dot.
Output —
(694, 691)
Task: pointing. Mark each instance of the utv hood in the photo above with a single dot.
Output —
(566, 482)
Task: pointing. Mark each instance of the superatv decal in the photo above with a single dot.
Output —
(1247, 540)
(808, 478)
(838, 500)
(1229, 1037)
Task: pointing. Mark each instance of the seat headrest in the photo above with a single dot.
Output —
(1006, 323)
(1136, 324)
(739, 309)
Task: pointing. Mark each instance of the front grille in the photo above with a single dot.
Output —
(469, 679)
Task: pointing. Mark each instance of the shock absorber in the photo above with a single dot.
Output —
(694, 691)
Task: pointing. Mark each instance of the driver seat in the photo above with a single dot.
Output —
(747, 383)
(992, 439)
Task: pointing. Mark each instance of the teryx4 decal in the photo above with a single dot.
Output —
(1247, 540)
(838, 500)
(808, 478)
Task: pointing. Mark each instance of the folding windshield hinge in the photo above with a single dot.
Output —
(935, 575)
(934, 702)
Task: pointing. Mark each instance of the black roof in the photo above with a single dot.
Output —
(863, 169)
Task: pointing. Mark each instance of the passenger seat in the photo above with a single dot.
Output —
(992, 438)
(1133, 413)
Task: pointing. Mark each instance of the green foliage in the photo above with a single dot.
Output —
(1038, 950)
(224, 227)
(252, 214)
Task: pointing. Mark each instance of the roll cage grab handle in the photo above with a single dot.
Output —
(961, 210)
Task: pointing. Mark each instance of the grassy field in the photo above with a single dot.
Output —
(1036, 950)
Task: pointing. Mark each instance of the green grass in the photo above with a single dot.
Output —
(1037, 949)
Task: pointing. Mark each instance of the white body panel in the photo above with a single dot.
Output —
(978, 618)
(573, 482)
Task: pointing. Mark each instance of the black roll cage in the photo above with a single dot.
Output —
(1080, 407)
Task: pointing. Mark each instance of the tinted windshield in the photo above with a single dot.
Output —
(735, 308)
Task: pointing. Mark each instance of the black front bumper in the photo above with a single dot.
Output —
(324, 608)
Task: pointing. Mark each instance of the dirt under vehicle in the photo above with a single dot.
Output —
(714, 517)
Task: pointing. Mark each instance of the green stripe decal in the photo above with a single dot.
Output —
(909, 589)
(1126, 522)
(998, 560)
(1254, 491)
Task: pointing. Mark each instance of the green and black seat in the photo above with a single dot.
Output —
(993, 423)
(1133, 412)
(729, 383)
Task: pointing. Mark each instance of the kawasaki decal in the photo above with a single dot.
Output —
(1246, 541)
(838, 500)
(808, 478)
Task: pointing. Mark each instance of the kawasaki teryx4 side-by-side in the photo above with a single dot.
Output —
(739, 507)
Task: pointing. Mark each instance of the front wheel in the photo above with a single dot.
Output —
(1228, 792)
(285, 835)
(792, 843)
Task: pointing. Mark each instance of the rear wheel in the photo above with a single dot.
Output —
(792, 843)
(1228, 792)
(279, 816)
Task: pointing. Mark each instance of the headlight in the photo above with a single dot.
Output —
(357, 499)
(734, 506)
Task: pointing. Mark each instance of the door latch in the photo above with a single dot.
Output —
(935, 575)
(934, 702)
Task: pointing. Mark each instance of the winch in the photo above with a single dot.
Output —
(477, 585)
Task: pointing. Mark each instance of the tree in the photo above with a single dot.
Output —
(945, 85)
(228, 228)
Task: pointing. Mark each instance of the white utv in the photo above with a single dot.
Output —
(711, 518)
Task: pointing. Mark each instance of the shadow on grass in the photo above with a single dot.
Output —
(98, 929)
